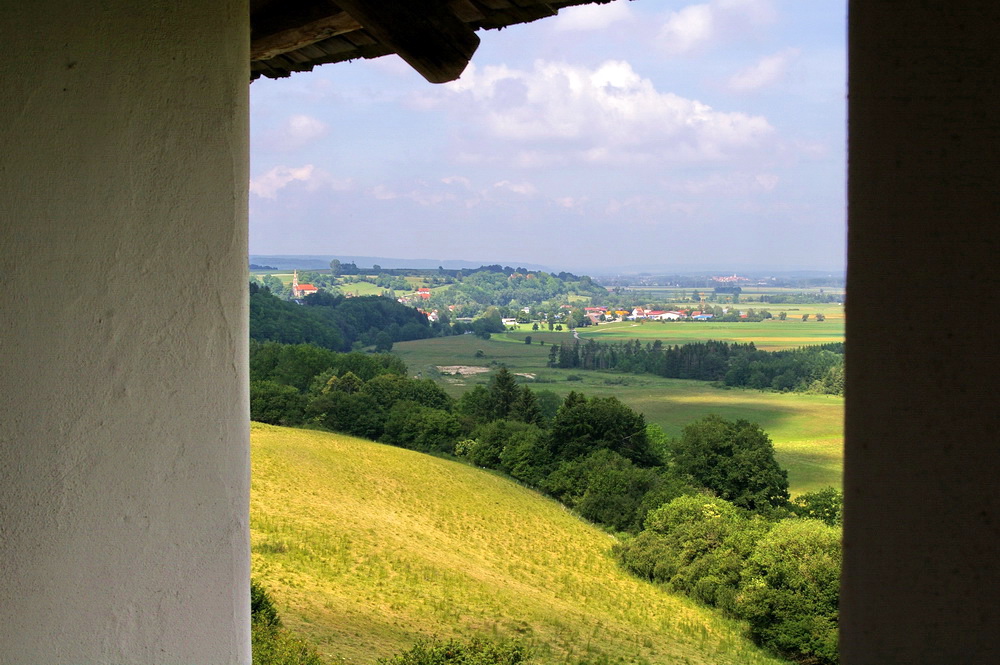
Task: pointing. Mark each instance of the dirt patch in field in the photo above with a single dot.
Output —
(527, 375)
(464, 370)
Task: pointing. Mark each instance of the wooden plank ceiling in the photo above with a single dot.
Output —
(435, 37)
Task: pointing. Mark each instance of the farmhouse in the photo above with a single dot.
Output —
(124, 457)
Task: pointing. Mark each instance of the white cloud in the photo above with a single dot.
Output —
(767, 181)
(382, 193)
(298, 131)
(525, 188)
(696, 26)
(591, 17)
(766, 71)
(458, 190)
(270, 183)
(647, 210)
(267, 185)
(609, 114)
(727, 184)
(457, 180)
(686, 29)
(570, 202)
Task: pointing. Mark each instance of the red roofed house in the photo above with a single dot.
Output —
(424, 293)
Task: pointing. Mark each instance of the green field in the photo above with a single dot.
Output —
(367, 548)
(807, 430)
(771, 335)
(360, 289)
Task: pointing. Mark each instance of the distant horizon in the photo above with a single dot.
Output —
(321, 261)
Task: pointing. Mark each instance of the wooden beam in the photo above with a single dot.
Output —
(465, 11)
(283, 41)
(424, 33)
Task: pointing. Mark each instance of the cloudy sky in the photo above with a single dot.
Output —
(645, 133)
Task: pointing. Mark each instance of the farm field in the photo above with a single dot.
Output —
(807, 430)
(679, 294)
(366, 548)
(360, 288)
(772, 335)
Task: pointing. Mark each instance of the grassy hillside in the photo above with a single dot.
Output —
(807, 430)
(367, 548)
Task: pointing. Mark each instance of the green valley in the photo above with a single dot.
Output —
(807, 429)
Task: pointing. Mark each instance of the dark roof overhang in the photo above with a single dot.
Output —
(435, 37)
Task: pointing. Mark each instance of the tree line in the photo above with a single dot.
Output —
(709, 512)
(811, 368)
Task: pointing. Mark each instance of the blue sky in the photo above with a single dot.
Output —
(648, 133)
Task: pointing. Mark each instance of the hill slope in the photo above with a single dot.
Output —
(368, 547)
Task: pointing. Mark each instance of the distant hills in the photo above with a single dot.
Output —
(322, 261)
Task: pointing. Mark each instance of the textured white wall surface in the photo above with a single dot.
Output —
(124, 455)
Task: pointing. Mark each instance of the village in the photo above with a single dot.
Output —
(451, 302)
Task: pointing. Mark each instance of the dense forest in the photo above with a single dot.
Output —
(812, 368)
(481, 289)
(709, 513)
(334, 322)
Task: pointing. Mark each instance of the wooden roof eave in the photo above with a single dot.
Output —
(435, 37)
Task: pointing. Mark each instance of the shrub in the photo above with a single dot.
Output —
(269, 642)
(275, 404)
(825, 505)
(262, 609)
(476, 651)
(790, 590)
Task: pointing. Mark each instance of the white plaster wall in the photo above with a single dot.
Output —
(124, 456)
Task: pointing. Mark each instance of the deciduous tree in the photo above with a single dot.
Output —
(733, 459)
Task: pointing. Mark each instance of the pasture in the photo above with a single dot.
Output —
(367, 548)
(360, 288)
(807, 430)
(769, 335)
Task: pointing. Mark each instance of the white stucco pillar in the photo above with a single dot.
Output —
(124, 470)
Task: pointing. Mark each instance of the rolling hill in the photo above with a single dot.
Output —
(367, 548)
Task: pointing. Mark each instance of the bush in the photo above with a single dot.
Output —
(411, 425)
(476, 651)
(262, 609)
(275, 404)
(825, 505)
(269, 642)
(790, 590)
